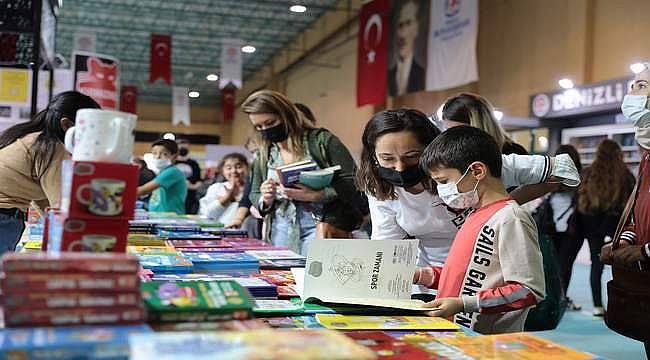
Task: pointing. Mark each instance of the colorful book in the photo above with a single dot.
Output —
(69, 262)
(269, 344)
(198, 243)
(275, 255)
(386, 346)
(277, 277)
(74, 316)
(281, 264)
(230, 325)
(196, 300)
(68, 343)
(289, 174)
(19, 283)
(293, 322)
(167, 263)
(151, 250)
(258, 288)
(265, 307)
(145, 240)
(318, 179)
(355, 322)
(223, 262)
(71, 299)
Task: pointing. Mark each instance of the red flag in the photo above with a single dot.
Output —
(129, 99)
(372, 53)
(228, 103)
(161, 58)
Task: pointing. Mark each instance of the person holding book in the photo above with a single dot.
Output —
(403, 201)
(169, 189)
(495, 271)
(295, 214)
(222, 199)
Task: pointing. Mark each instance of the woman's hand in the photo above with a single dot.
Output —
(268, 190)
(302, 193)
(445, 307)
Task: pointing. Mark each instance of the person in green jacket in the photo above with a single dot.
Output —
(296, 215)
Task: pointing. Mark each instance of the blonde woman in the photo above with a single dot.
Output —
(293, 213)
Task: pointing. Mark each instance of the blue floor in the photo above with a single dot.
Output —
(581, 331)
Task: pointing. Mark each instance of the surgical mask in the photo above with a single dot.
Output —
(456, 200)
(411, 176)
(162, 164)
(634, 108)
(276, 134)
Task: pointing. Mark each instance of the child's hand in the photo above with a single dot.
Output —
(445, 307)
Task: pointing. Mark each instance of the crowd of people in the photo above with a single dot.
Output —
(457, 188)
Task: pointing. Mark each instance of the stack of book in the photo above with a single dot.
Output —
(70, 289)
(178, 301)
(257, 287)
(224, 263)
(162, 259)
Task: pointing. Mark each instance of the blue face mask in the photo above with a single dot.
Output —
(634, 108)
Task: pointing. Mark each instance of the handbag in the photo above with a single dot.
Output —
(628, 293)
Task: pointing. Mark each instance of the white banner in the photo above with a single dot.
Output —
(63, 81)
(180, 106)
(453, 29)
(231, 63)
(85, 41)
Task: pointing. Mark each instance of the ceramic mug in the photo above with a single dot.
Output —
(105, 196)
(102, 136)
(94, 243)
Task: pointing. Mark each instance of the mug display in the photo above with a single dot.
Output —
(106, 196)
(102, 136)
(94, 243)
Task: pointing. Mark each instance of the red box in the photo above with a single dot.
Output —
(67, 234)
(66, 299)
(99, 191)
(70, 262)
(77, 316)
(20, 283)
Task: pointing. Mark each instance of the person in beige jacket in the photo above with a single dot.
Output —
(30, 163)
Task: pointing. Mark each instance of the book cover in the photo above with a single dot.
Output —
(71, 299)
(167, 263)
(18, 283)
(293, 322)
(263, 307)
(68, 343)
(151, 250)
(354, 322)
(289, 174)
(275, 255)
(74, 316)
(198, 244)
(69, 262)
(145, 240)
(287, 291)
(281, 264)
(269, 344)
(223, 260)
(318, 179)
(386, 346)
(277, 277)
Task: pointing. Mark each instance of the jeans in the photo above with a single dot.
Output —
(596, 242)
(307, 228)
(11, 230)
(567, 250)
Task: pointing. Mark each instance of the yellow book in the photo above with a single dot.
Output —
(150, 250)
(354, 322)
(145, 240)
(33, 245)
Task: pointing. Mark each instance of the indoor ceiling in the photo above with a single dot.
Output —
(123, 29)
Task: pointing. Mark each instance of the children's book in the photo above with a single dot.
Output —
(358, 322)
(362, 272)
(293, 322)
(318, 179)
(151, 250)
(386, 346)
(167, 264)
(290, 174)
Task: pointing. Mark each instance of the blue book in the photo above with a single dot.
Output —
(231, 260)
(67, 343)
(166, 263)
(290, 174)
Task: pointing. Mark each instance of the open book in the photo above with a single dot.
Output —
(360, 272)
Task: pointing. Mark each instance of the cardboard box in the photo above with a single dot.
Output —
(98, 191)
(70, 234)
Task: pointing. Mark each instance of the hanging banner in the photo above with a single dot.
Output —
(231, 63)
(63, 81)
(372, 52)
(452, 44)
(129, 99)
(408, 46)
(160, 64)
(228, 103)
(98, 77)
(180, 106)
(85, 41)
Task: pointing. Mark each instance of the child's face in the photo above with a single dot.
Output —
(161, 152)
(444, 175)
(234, 170)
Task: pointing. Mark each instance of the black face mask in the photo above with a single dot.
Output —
(407, 178)
(183, 152)
(276, 134)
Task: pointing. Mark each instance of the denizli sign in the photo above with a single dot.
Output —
(591, 98)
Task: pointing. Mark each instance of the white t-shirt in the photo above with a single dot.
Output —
(212, 208)
(425, 217)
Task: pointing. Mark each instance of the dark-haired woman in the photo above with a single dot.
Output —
(30, 163)
(402, 199)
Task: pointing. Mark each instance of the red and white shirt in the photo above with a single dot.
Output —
(495, 266)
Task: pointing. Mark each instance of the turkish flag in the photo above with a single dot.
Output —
(129, 99)
(372, 53)
(228, 103)
(161, 58)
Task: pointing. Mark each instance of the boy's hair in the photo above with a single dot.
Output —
(459, 147)
(170, 145)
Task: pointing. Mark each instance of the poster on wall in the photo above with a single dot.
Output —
(407, 59)
(453, 29)
(98, 77)
(15, 96)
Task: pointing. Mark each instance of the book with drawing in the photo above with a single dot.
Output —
(354, 322)
(289, 174)
(361, 272)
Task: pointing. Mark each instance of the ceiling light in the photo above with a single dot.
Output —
(638, 67)
(498, 115)
(212, 77)
(193, 94)
(169, 136)
(248, 49)
(298, 9)
(565, 83)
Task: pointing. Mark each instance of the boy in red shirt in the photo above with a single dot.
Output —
(494, 272)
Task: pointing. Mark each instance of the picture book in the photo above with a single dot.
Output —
(277, 277)
(289, 174)
(362, 272)
(318, 179)
(269, 344)
(386, 346)
(355, 322)
(167, 263)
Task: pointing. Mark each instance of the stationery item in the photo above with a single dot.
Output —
(86, 235)
(74, 316)
(289, 175)
(69, 262)
(354, 322)
(362, 272)
(269, 344)
(196, 300)
(318, 179)
(386, 346)
(70, 299)
(19, 283)
(102, 136)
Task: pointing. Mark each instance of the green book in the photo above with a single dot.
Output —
(196, 300)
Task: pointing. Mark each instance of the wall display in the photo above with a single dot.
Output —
(372, 52)
(98, 77)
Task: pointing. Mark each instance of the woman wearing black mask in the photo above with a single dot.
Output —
(294, 213)
(402, 199)
(30, 163)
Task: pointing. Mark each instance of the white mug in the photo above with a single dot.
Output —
(105, 196)
(101, 135)
(93, 243)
